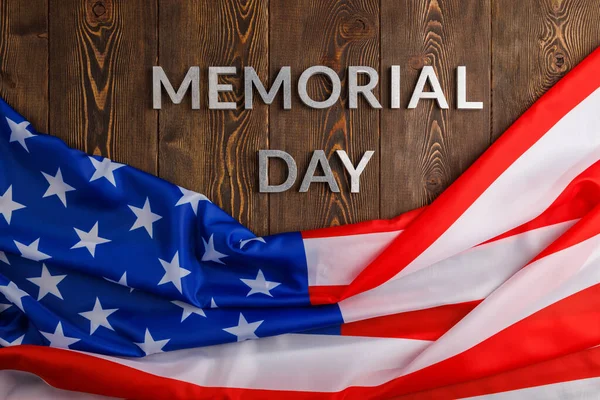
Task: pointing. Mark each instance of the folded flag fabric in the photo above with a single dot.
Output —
(117, 283)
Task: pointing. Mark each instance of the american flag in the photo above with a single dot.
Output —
(117, 283)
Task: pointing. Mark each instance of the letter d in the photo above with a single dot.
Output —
(263, 171)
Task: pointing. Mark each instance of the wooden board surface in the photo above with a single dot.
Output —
(534, 44)
(82, 70)
(99, 97)
(334, 34)
(426, 149)
(214, 152)
(24, 58)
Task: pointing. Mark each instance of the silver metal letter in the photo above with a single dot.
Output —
(263, 171)
(366, 90)
(284, 78)
(428, 74)
(214, 88)
(335, 92)
(319, 158)
(461, 92)
(395, 88)
(355, 172)
(159, 79)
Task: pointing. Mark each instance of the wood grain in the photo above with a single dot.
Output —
(215, 152)
(101, 57)
(24, 58)
(424, 150)
(336, 34)
(82, 70)
(536, 42)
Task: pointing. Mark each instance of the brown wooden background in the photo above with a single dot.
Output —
(81, 70)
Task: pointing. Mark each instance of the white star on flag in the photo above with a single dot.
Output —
(188, 310)
(57, 187)
(260, 285)
(105, 169)
(31, 251)
(244, 330)
(145, 217)
(256, 239)
(151, 346)
(58, 338)
(3, 307)
(3, 258)
(192, 198)
(210, 254)
(89, 240)
(7, 205)
(13, 294)
(122, 281)
(98, 317)
(18, 341)
(19, 132)
(213, 304)
(173, 272)
(47, 283)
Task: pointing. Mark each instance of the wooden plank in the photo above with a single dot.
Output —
(24, 58)
(534, 44)
(424, 150)
(335, 34)
(214, 152)
(101, 54)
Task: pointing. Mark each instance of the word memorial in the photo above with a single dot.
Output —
(283, 82)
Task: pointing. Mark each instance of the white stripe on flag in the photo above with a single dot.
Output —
(318, 363)
(18, 385)
(338, 260)
(583, 389)
(468, 276)
(544, 282)
(527, 187)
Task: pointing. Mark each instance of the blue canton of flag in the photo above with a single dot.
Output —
(100, 257)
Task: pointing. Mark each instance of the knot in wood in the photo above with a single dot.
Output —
(559, 60)
(99, 9)
(417, 62)
(98, 12)
(556, 5)
(357, 28)
(433, 183)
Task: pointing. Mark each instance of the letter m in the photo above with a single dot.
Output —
(159, 80)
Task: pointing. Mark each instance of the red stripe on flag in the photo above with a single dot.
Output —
(581, 365)
(453, 202)
(85, 373)
(568, 326)
(428, 324)
(325, 294)
(583, 230)
(79, 372)
(577, 200)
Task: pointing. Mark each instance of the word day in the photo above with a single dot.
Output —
(319, 159)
